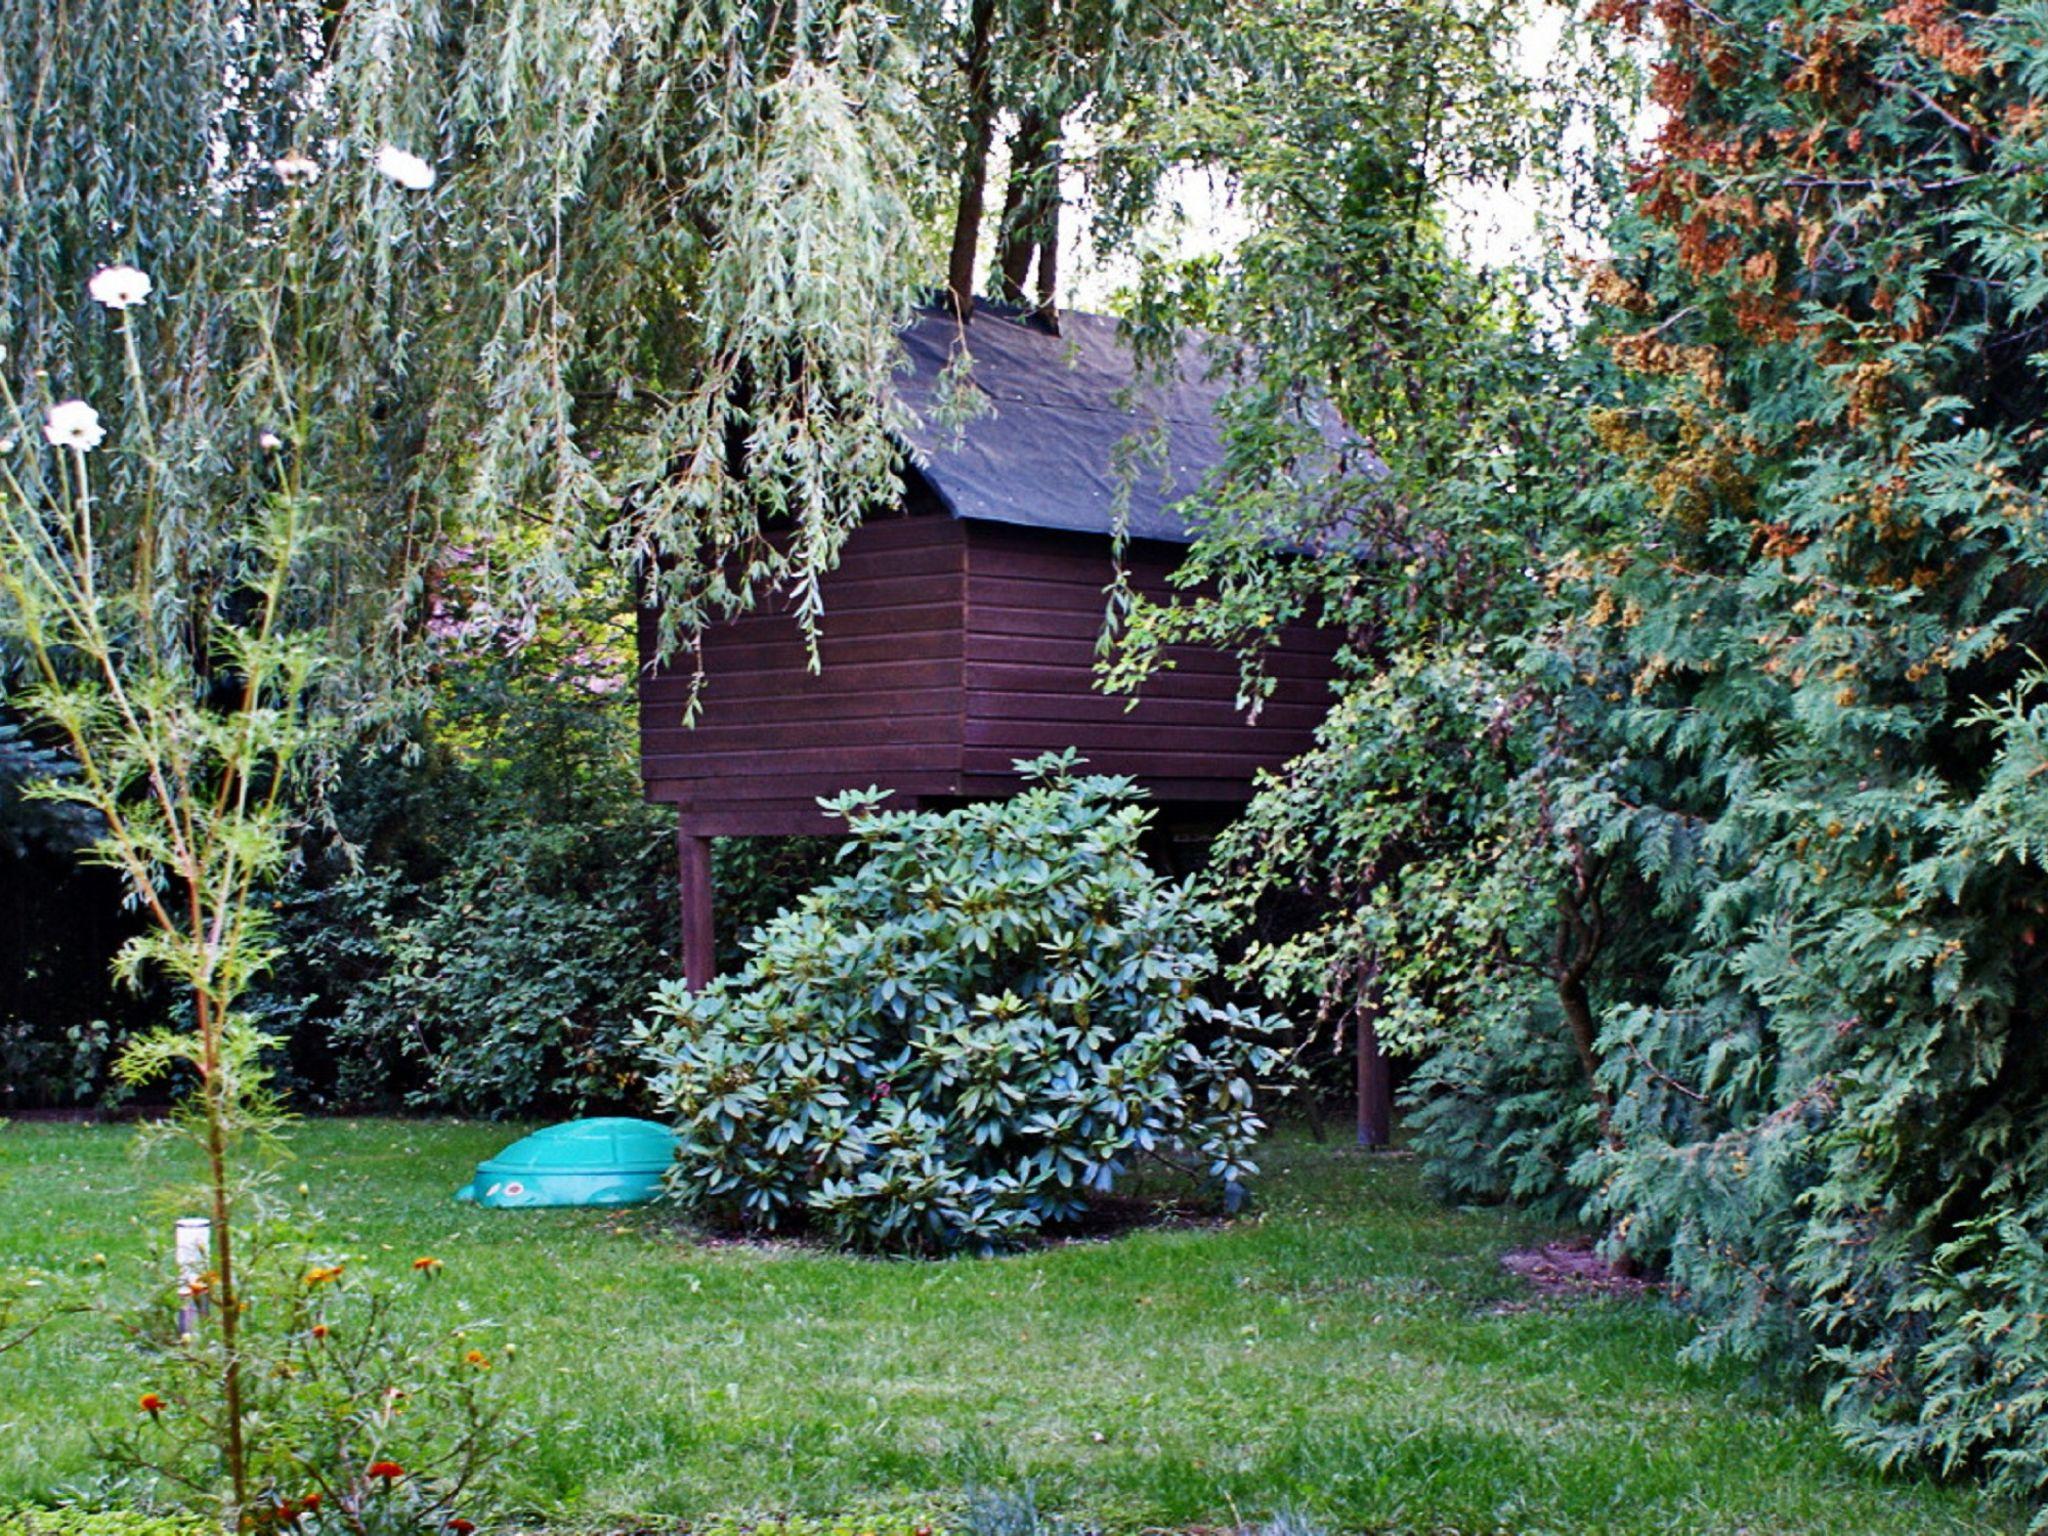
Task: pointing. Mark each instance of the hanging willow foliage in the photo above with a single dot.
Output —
(646, 307)
(646, 304)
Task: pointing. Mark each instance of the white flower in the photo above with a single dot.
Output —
(295, 169)
(119, 287)
(74, 424)
(409, 171)
(269, 442)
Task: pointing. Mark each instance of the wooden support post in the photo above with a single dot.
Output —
(700, 934)
(1375, 1085)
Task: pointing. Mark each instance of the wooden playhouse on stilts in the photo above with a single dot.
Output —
(960, 629)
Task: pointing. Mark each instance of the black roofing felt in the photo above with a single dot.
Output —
(1045, 450)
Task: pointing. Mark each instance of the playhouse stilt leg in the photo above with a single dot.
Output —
(1375, 1086)
(693, 858)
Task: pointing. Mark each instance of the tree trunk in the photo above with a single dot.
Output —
(1031, 214)
(1049, 240)
(226, 1288)
(1018, 240)
(981, 123)
(1581, 929)
(1375, 1083)
(1577, 1004)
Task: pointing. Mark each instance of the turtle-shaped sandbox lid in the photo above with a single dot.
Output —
(605, 1161)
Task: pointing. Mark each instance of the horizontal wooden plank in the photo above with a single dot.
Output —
(882, 590)
(877, 583)
(730, 656)
(716, 735)
(769, 818)
(938, 614)
(983, 537)
(886, 588)
(986, 589)
(1209, 800)
(898, 677)
(706, 795)
(991, 625)
(1153, 709)
(822, 710)
(1303, 680)
(1093, 568)
(989, 621)
(988, 782)
(891, 534)
(1078, 680)
(1145, 766)
(853, 765)
(1232, 743)
(1066, 678)
(761, 628)
(890, 529)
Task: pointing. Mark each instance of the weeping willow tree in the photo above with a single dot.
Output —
(648, 309)
(646, 301)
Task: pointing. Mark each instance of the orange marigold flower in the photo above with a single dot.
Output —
(319, 1330)
(390, 1471)
(152, 1404)
(477, 1358)
(460, 1526)
(321, 1274)
(426, 1262)
(310, 1501)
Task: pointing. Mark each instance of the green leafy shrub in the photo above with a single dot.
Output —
(505, 983)
(754, 878)
(506, 979)
(72, 1521)
(1833, 1121)
(989, 1014)
(479, 928)
(61, 921)
(1765, 736)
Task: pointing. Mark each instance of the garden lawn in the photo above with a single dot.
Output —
(1352, 1351)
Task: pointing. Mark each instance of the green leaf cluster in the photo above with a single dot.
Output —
(990, 1015)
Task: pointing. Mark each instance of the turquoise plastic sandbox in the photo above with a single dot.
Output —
(608, 1160)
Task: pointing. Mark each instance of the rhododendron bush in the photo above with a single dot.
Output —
(992, 1013)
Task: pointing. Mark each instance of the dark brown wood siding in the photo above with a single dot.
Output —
(772, 736)
(951, 650)
(1035, 603)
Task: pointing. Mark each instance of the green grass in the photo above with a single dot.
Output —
(1342, 1353)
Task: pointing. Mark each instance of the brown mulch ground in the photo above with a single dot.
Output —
(1569, 1270)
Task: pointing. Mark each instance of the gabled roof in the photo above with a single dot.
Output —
(1058, 437)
